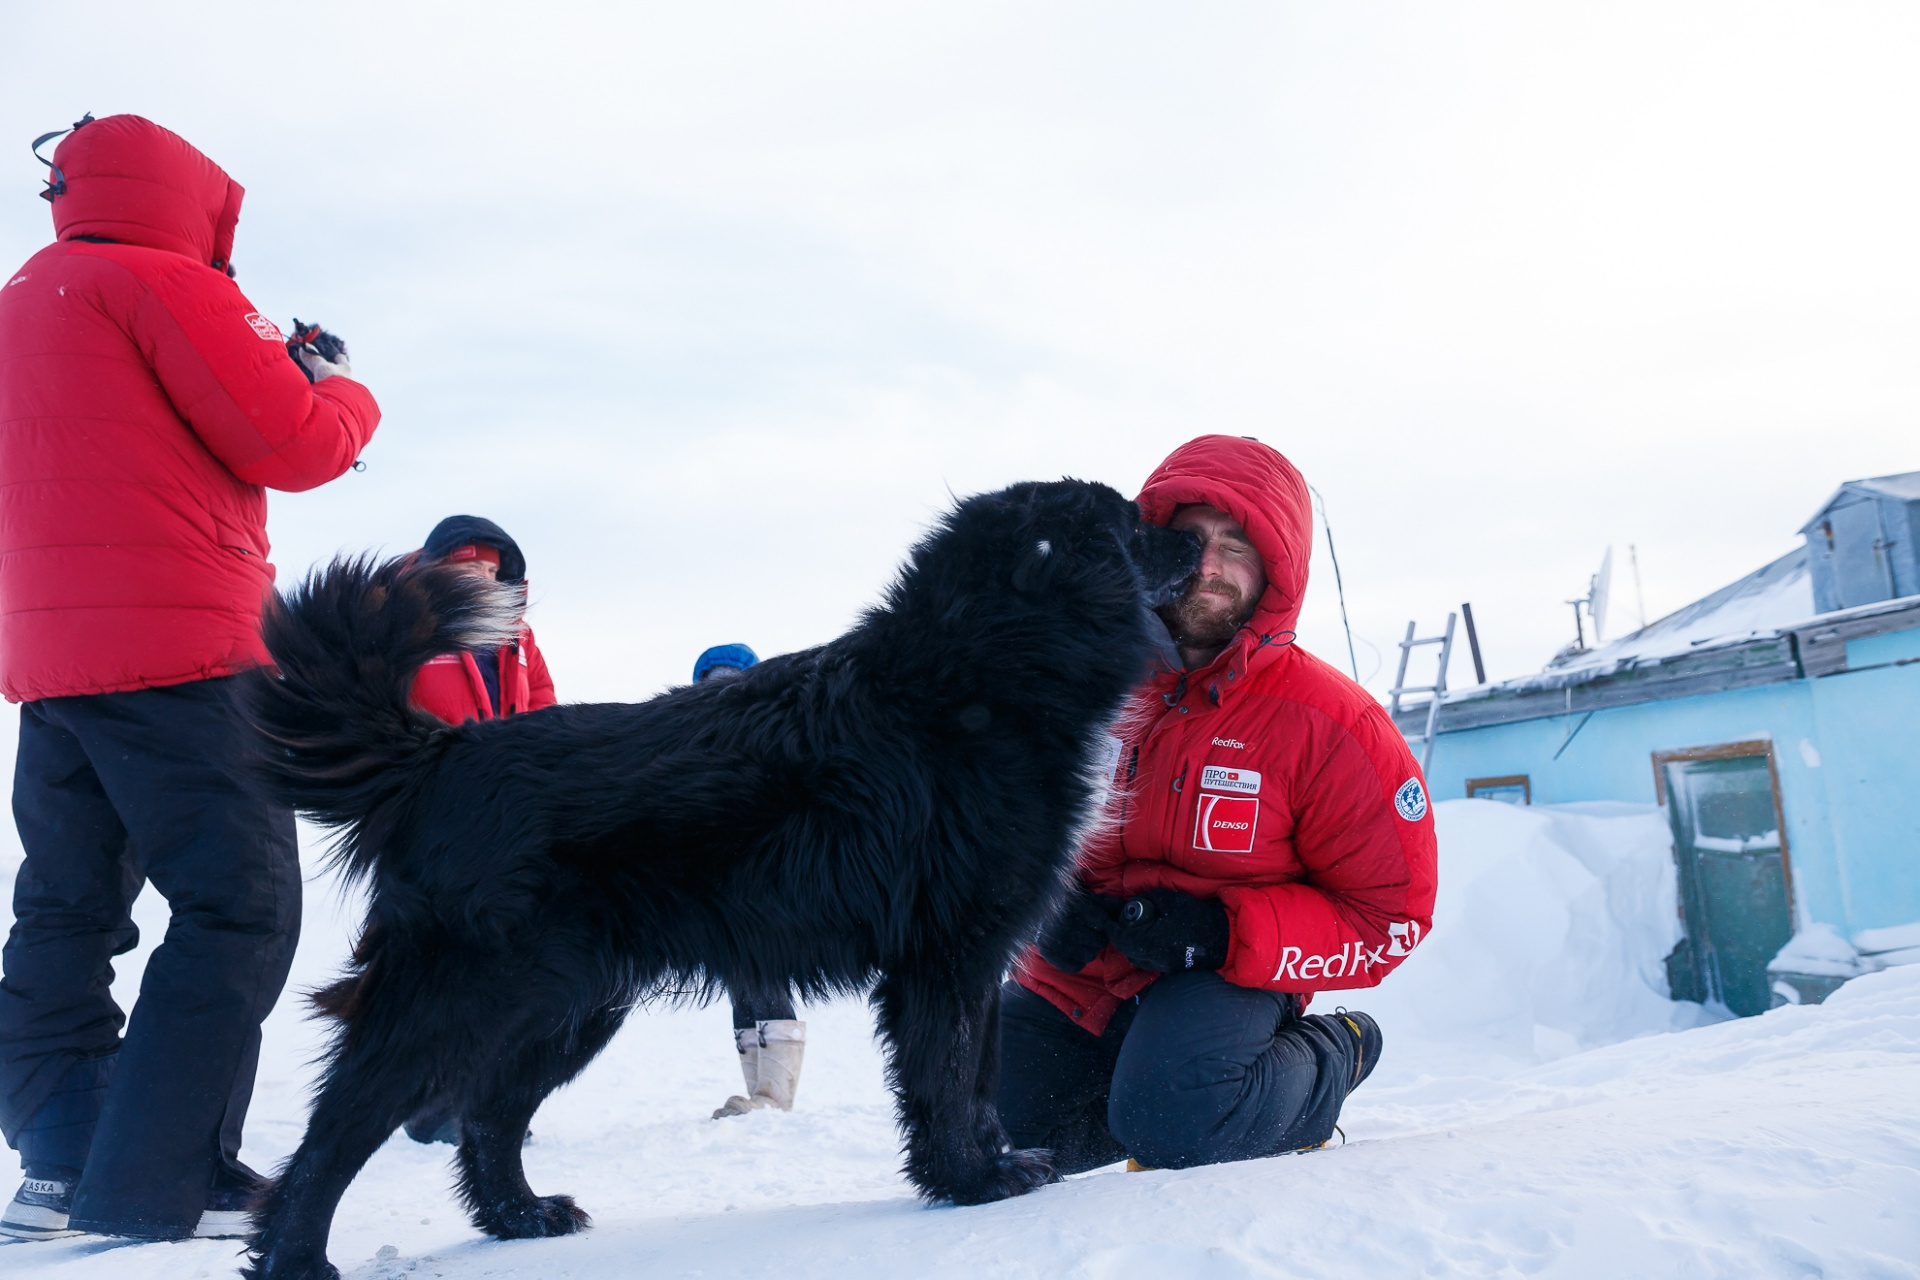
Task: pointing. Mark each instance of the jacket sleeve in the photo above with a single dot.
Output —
(1364, 831)
(539, 683)
(226, 370)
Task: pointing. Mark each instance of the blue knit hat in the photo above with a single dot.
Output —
(737, 656)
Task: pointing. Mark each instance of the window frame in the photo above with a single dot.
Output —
(1521, 780)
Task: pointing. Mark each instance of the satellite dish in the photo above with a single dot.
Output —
(1598, 589)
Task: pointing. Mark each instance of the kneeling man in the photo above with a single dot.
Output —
(1268, 838)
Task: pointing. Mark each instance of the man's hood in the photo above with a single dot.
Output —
(459, 531)
(131, 181)
(1264, 494)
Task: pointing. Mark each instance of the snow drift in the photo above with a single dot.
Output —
(1495, 1139)
(1550, 936)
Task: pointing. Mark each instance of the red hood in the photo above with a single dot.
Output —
(131, 181)
(1264, 494)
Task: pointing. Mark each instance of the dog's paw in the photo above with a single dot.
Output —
(537, 1218)
(312, 1269)
(1010, 1173)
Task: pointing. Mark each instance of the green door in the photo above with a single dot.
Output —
(1733, 879)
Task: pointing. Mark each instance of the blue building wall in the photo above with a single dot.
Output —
(1847, 749)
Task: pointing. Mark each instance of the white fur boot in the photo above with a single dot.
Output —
(770, 1055)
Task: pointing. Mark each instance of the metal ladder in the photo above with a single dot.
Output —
(1436, 691)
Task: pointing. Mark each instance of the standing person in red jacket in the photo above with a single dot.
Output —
(458, 687)
(145, 408)
(1270, 838)
(477, 685)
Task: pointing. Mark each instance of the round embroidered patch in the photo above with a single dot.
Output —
(1411, 800)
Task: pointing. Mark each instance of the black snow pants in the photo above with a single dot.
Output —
(111, 790)
(1196, 1071)
(750, 1007)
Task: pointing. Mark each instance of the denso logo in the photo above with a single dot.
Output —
(1234, 743)
(1350, 961)
(1224, 824)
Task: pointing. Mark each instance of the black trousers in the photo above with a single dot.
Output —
(112, 790)
(1195, 1072)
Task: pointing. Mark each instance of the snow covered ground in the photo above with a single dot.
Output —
(1541, 1109)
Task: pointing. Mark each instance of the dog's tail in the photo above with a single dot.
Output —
(340, 739)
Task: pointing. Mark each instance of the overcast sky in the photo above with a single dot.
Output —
(714, 306)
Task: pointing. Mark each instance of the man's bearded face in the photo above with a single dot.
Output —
(1209, 614)
(1225, 589)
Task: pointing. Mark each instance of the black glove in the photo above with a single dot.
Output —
(1168, 931)
(318, 353)
(1078, 931)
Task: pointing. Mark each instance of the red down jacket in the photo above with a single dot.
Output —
(145, 407)
(450, 686)
(1266, 779)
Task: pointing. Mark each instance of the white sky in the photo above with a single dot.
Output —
(712, 306)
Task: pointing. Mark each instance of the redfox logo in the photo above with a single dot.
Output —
(264, 328)
(1235, 743)
(1350, 961)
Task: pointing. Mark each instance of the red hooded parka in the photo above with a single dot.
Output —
(145, 408)
(450, 686)
(1266, 779)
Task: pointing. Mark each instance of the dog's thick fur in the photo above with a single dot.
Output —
(899, 807)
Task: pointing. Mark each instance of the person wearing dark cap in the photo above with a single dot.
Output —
(513, 679)
(771, 1041)
(483, 684)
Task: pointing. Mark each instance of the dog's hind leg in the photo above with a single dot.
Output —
(361, 1103)
(493, 1182)
(940, 1036)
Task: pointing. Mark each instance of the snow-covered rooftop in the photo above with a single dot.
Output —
(1764, 602)
(1904, 487)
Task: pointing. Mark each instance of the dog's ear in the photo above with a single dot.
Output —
(1034, 569)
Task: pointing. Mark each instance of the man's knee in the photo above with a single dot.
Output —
(234, 869)
(1176, 1115)
(1197, 1081)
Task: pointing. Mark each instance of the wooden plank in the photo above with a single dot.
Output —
(1753, 663)
(1823, 646)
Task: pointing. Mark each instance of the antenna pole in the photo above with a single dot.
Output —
(1473, 643)
(1579, 632)
(1339, 586)
(1639, 597)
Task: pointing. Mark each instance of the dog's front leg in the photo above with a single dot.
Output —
(939, 1037)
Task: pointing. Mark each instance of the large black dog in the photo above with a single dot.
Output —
(899, 807)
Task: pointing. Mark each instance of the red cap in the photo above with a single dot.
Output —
(474, 551)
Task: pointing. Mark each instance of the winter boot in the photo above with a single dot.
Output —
(230, 1204)
(770, 1054)
(1367, 1032)
(53, 1148)
(39, 1207)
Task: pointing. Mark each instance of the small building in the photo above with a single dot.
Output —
(1777, 721)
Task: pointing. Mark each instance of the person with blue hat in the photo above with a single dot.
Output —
(770, 1039)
